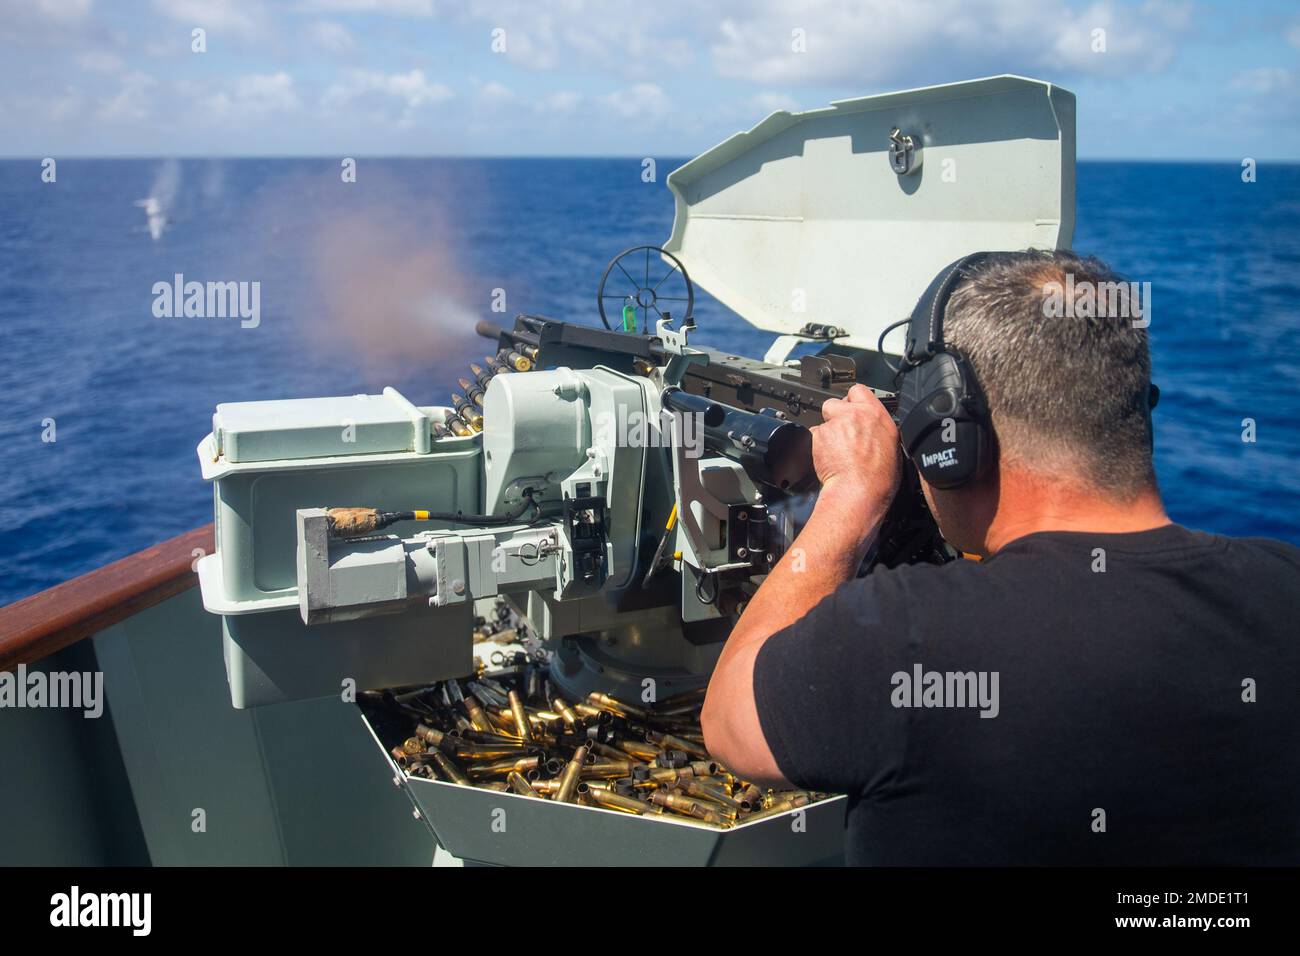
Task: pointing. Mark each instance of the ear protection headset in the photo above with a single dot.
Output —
(942, 415)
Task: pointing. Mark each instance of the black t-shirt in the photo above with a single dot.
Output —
(1143, 693)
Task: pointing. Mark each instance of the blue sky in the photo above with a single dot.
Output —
(1177, 79)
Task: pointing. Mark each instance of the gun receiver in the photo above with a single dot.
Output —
(773, 450)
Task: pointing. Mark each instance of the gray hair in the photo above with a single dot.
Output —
(1068, 395)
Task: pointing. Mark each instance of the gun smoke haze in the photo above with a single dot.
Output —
(380, 283)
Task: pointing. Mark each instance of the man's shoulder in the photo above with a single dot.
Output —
(1267, 549)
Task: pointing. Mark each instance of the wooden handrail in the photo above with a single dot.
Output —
(37, 626)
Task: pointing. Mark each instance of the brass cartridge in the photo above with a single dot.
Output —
(609, 703)
(638, 749)
(519, 785)
(572, 772)
(504, 767)
(521, 718)
(607, 768)
(472, 391)
(697, 788)
(566, 712)
(448, 769)
(468, 413)
(614, 801)
(673, 742)
(458, 425)
(687, 807)
(477, 715)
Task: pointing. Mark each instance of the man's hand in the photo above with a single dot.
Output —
(856, 448)
(859, 461)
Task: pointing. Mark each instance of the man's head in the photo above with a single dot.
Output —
(1058, 346)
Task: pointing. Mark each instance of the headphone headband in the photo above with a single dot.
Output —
(925, 330)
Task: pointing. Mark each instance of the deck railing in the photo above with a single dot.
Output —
(40, 625)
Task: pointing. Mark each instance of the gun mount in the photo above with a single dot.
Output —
(622, 491)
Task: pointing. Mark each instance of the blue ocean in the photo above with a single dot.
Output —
(379, 282)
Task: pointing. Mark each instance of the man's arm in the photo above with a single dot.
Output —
(858, 460)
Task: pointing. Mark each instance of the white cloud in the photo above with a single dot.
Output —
(65, 11)
(246, 19)
(133, 101)
(1265, 80)
(261, 93)
(626, 39)
(564, 101)
(401, 8)
(642, 101)
(100, 61)
(412, 89)
(764, 103)
(331, 37)
(1293, 34)
(495, 94)
(879, 42)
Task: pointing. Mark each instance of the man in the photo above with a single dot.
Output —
(1103, 687)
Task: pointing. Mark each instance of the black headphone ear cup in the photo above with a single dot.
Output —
(943, 421)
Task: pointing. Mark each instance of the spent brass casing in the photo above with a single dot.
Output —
(477, 715)
(687, 806)
(449, 770)
(603, 797)
(504, 722)
(519, 785)
(609, 703)
(567, 713)
(521, 717)
(608, 752)
(400, 757)
(673, 742)
(607, 768)
(431, 736)
(638, 749)
(504, 767)
(572, 774)
(788, 801)
(413, 746)
(698, 788)
(703, 768)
